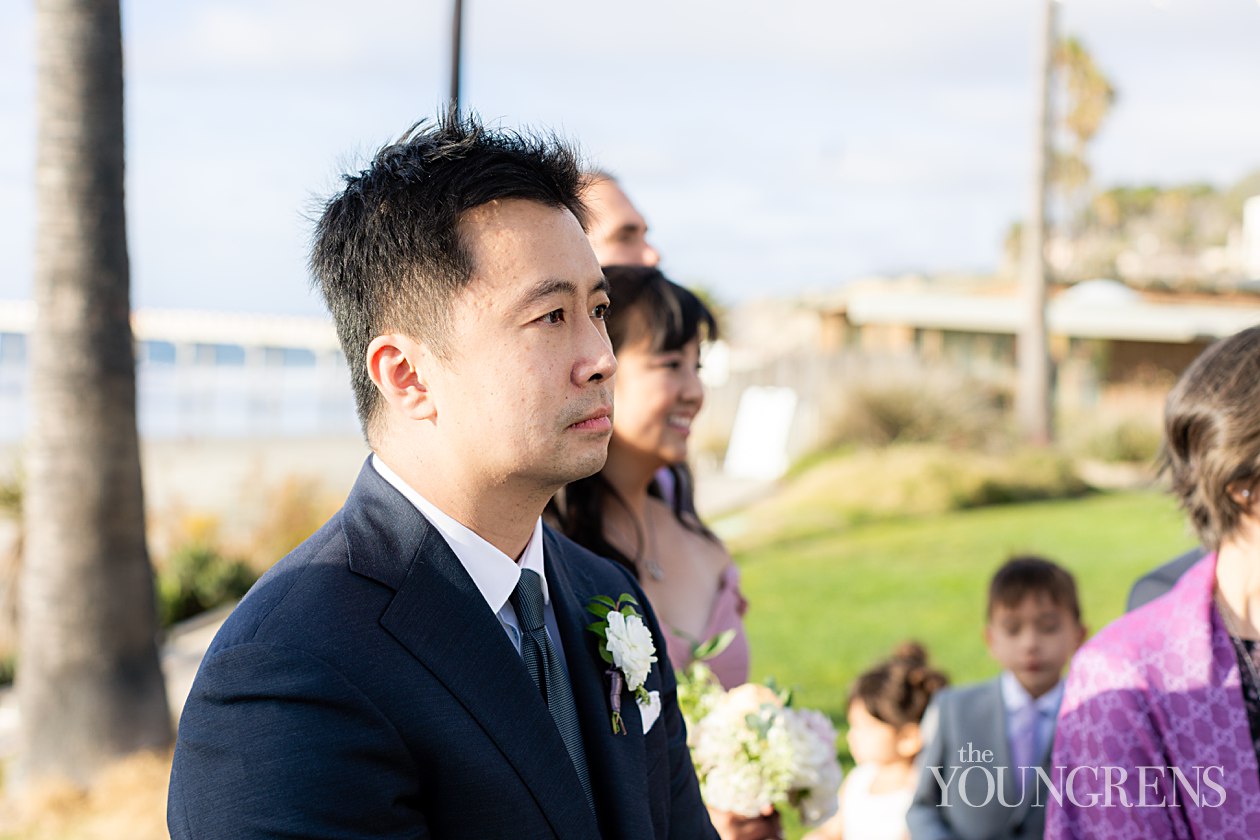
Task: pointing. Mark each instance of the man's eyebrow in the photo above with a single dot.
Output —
(544, 290)
(549, 288)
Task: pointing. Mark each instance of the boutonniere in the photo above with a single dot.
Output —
(625, 643)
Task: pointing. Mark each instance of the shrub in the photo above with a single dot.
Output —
(197, 577)
(903, 480)
(11, 495)
(919, 405)
(11, 538)
(1131, 441)
(206, 569)
(295, 509)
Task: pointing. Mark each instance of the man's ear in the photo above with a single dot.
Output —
(398, 367)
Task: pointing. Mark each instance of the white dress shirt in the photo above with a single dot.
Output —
(494, 573)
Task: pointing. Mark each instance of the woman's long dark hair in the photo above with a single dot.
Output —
(645, 304)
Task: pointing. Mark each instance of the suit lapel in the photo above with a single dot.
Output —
(439, 615)
(618, 763)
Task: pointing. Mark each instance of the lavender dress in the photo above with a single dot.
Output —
(1160, 689)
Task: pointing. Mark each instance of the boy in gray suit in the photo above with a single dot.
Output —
(984, 742)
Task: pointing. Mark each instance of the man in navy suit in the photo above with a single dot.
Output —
(421, 666)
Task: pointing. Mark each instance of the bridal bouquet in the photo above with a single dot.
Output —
(752, 750)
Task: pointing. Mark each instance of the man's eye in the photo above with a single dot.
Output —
(600, 312)
(555, 316)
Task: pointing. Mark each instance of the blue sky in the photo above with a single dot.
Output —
(774, 146)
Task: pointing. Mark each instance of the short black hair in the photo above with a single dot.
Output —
(387, 252)
(1020, 577)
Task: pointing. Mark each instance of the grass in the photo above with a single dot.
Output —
(826, 605)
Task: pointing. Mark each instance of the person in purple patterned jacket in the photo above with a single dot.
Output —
(1159, 730)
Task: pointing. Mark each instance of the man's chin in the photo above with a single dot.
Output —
(583, 467)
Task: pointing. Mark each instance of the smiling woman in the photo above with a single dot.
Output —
(656, 327)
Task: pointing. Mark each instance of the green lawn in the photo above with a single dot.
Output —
(827, 605)
(824, 607)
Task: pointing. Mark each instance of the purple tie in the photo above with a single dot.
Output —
(1025, 744)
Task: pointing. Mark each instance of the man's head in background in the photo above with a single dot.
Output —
(616, 229)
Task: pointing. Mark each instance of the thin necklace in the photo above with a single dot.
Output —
(653, 567)
(648, 561)
(1227, 615)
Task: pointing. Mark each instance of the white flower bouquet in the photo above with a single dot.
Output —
(752, 750)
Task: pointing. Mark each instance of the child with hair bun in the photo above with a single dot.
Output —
(886, 704)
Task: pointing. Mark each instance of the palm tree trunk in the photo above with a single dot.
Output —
(89, 683)
(1032, 396)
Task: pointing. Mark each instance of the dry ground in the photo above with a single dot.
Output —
(127, 802)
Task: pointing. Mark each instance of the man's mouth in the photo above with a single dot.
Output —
(599, 420)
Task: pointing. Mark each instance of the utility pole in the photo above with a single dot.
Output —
(457, 25)
(1032, 396)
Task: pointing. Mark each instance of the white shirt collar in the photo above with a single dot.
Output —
(1015, 697)
(494, 573)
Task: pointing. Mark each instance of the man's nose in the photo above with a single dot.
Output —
(596, 361)
(651, 257)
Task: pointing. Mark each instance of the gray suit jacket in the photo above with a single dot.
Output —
(967, 789)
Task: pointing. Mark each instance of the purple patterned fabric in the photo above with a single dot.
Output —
(1158, 689)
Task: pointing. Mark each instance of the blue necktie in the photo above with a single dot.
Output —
(548, 674)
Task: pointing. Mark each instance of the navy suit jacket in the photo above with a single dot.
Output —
(363, 688)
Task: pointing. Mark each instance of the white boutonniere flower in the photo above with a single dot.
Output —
(626, 645)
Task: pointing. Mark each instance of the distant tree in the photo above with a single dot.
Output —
(1247, 187)
(89, 683)
(1087, 98)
